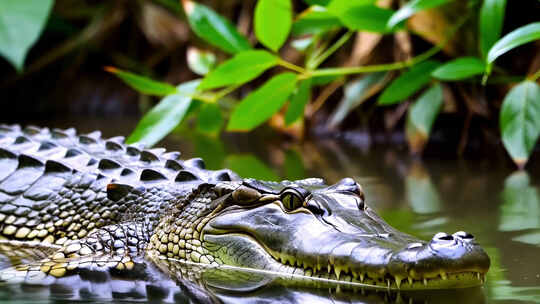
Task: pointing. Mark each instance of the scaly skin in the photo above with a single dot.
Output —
(102, 204)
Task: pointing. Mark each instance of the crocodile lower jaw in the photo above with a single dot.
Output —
(450, 281)
(322, 274)
(331, 274)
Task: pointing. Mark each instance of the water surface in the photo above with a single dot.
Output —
(482, 196)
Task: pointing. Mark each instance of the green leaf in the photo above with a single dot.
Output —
(210, 119)
(317, 2)
(411, 8)
(262, 103)
(408, 83)
(240, 69)
(460, 68)
(345, 5)
(315, 20)
(520, 121)
(355, 93)
(143, 84)
(273, 19)
(361, 15)
(250, 166)
(293, 166)
(298, 102)
(200, 62)
(165, 116)
(421, 116)
(490, 23)
(21, 23)
(515, 38)
(214, 29)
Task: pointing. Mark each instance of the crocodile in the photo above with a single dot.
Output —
(81, 202)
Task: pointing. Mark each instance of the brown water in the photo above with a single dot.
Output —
(501, 208)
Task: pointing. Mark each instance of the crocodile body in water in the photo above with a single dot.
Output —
(80, 203)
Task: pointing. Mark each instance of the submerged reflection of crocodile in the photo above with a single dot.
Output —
(104, 206)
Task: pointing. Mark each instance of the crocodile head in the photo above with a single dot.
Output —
(310, 229)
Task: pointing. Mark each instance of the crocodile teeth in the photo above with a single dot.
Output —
(362, 276)
(444, 276)
(478, 275)
(410, 280)
(425, 282)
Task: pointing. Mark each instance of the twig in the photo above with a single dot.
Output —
(464, 134)
(292, 66)
(321, 58)
(389, 66)
(534, 76)
(327, 91)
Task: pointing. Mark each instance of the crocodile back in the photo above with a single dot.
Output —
(56, 185)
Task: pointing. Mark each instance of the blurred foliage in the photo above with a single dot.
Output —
(281, 61)
(22, 23)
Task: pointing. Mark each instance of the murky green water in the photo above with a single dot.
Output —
(482, 196)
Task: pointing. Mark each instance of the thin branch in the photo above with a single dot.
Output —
(321, 58)
(291, 66)
(534, 76)
(225, 92)
(389, 66)
(326, 92)
(377, 67)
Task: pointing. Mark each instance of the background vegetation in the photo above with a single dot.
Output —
(300, 65)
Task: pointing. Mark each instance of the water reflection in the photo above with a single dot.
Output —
(521, 205)
(191, 283)
(500, 207)
(421, 193)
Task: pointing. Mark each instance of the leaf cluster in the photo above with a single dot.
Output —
(317, 32)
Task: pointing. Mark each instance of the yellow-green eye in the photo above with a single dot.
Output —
(291, 199)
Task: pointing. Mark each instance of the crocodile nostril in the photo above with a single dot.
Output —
(464, 235)
(443, 237)
(347, 181)
(349, 184)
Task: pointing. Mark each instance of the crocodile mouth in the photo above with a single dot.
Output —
(347, 276)
(362, 251)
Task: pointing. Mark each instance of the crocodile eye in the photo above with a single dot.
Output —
(291, 199)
